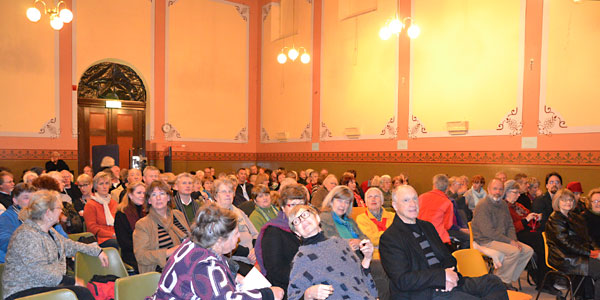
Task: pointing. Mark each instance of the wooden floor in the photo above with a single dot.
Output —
(527, 289)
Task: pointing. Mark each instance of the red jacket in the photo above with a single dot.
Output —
(95, 221)
(435, 207)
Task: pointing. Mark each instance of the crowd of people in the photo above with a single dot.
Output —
(310, 235)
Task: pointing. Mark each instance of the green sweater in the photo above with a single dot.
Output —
(260, 216)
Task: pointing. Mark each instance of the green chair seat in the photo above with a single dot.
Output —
(136, 287)
(87, 266)
(62, 294)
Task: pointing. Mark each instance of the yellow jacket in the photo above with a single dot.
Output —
(369, 228)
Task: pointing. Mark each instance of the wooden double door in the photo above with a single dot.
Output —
(98, 125)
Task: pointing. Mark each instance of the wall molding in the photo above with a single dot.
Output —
(35, 154)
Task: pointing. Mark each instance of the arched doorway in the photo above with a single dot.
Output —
(101, 125)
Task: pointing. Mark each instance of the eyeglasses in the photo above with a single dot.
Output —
(595, 201)
(303, 216)
(83, 184)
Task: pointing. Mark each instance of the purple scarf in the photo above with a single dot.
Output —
(281, 222)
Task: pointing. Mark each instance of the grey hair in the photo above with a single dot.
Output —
(212, 223)
(440, 182)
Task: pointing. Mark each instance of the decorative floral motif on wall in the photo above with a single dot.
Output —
(242, 135)
(553, 120)
(171, 2)
(325, 132)
(244, 11)
(390, 130)
(511, 123)
(265, 11)
(306, 133)
(50, 129)
(415, 128)
(264, 135)
(204, 156)
(170, 132)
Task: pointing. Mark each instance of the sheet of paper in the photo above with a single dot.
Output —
(255, 280)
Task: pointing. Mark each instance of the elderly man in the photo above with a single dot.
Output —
(55, 163)
(133, 175)
(493, 229)
(243, 189)
(385, 185)
(6, 186)
(436, 208)
(184, 200)
(319, 195)
(418, 264)
(151, 173)
(70, 188)
(543, 203)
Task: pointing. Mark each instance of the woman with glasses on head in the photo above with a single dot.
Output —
(99, 214)
(157, 235)
(276, 244)
(327, 267)
(570, 248)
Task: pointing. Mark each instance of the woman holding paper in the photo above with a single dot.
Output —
(199, 270)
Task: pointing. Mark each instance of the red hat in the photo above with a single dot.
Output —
(575, 187)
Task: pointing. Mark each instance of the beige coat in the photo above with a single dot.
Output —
(145, 239)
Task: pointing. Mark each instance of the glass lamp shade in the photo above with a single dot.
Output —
(305, 58)
(33, 14)
(293, 54)
(281, 58)
(413, 31)
(66, 15)
(385, 33)
(56, 23)
(395, 26)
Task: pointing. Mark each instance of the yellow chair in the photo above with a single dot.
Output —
(62, 294)
(136, 287)
(357, 211)
(87, 266)
(553, 270)
(469, 262)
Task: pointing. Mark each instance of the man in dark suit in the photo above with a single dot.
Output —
(243, 189)
(418, 264)
(543, 203)
(7, 184)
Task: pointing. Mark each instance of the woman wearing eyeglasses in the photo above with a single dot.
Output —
(157, 235)
(327, 267)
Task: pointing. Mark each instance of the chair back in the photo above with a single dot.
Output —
(62, 294)
(469, 262)
(470, 235)
(87, 266)
(75, 236)
(357, 211)
(546, 252)
(136, 287)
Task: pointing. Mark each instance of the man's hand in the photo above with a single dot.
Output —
(451, 279)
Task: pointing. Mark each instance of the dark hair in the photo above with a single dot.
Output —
(353, 172)
(520, 176)
(478, 178)
(292, 191)
(346, 178)
(21, 188)
(211, 223)
(5, 173)
(553, 174)
(46, 182)
(258, 190)
(158, 184)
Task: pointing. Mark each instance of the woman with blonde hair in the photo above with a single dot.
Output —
(129, 211)
(335, 216)
(99, 214)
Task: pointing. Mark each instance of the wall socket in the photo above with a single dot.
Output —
(315, 146)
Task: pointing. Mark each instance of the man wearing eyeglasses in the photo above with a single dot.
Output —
(543, 204)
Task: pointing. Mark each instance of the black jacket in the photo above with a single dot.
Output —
(543, 205)
(239, 194)
(569, 243)
(405, 264)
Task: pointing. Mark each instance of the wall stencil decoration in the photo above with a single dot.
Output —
(569, 68)
(170, 132)
(50, 129)
(264, 135)
(325, 132)
(306, 133)
(207, 70)
(468, 65)
(390, 129)
(416, 128)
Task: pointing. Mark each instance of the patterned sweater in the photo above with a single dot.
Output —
(37, 259)
(330, 262)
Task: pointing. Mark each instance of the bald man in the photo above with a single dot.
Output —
(418, 264)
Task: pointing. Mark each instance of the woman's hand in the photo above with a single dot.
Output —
(531, 216)
(319, 291)
(366, 247)
(252, 256)
(354, 244)
(277, 292)
(103, 259)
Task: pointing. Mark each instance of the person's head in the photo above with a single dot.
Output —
(241, 175)
(66, 177)
(287, 181)
(29, 176)
(496, 189)
(207, 171)
(223, 192)
(454, 184)
(594, 201)
(330, 182)
(262, 179)
(563, 201)
(88, 170)
(136, 195)
(399, 180)
(533, 185)
(477, 182)
(291, 196)
(134, 175)
(158, 196)
(339, 200)
(207, 183)
(150, 174)
(253, 169)
(406, 203)
(212, 171)
(46, 182)
(44, 207)
(511, 191)
(199, 174)
(385, 183)
(280, 176)
(521, 179)
(116, 172)
(553, 182)
(576, 188)
(302, 174)
(6, 182)
(54, 156)
(304, 221)
(102, 183)
(215, 228)
(168, 178)
(84, 183)
(324, 172)
(261, 195)
(374, 199)
(313, 177)
(184, 183)
(464, 184)
(22, 194)
(107, 162)
(197, 183)
(440, 182)
(349, 181)
(502, 176)
(58, 177)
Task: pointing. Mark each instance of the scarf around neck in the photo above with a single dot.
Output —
(133, 213)
(479, 195)
(346, 232)
(167, 223)
(110, 220)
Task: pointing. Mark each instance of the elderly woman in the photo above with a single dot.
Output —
(99, 214)
(35, 260)
(335, 216)
(129, 211)
(526, 225)
(85, 184)
(375, 220)
(276, 244)
(327, 267)
(592, 215)
(264, 210)
(244, 253)
(199, 268)
(570, 248)
(349, 181)
(475, 194)
(157, 235)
